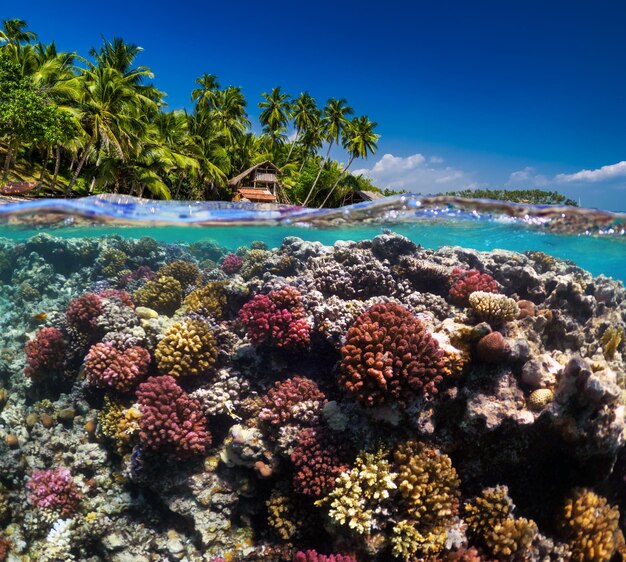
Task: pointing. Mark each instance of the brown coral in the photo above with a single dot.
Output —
(390, 356)
(185, 272)
(209, 300)
(493, 308)
(188, 348)
(163, 295)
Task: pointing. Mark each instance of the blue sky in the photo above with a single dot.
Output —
(467, 94)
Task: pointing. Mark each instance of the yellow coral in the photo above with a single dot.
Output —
(539, 398)
(5, 506)
(163, 295)
(407, 540)
(359, 494)
(493, 308)
(210, 299)
(112, 262)
(428, 483)
(188, 348)
(611, 340)
(282, 516)
(591, 527)
(490, 520)
(254, 262)
(185, 272)
(120, 423)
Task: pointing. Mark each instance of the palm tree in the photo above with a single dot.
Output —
(334, 120)
(230, 113)
(204, 96)
(13, 33)
(305, 115)
(359, 140)
(275, 114)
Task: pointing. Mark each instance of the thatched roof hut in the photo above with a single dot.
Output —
(258, 184)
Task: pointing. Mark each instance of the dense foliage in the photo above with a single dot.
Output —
(106, 128)
(530, 196)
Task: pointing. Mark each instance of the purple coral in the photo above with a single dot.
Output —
(44, 352)
(277, 319)
(108, 367)
(54, 489)
(232, 263)
(171, 421)
(82, 312)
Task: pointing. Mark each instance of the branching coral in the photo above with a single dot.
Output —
(465, 282)
(493, 308)
(44, 353)
(390, 356)
(188, 348)
(231, 263)
(610, 340)
(490, 520)
(83, 312)
(276, 319)
(171, 422)
(313, 556)
(407, 540)
(282, 515)
(361, 496)
(295, 400)
(53, 489)
(120, 423)
(591, 527)
(163, 295)
(108, 367)
(319, 457)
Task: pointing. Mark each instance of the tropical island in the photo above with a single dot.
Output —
(74, 126)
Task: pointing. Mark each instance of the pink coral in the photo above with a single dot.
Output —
(293, 400)
(54, 489)
(44, 353)
(467, 281)
(277, 319)
(143, 272)
(390, 356)
(313, 556)
(116, 294)
(108, 367)
(171, 421)
(319, 457)
(82, 312)
(231, 264)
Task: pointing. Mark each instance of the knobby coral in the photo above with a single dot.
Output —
(493, 308)
(44, 353)
(276, 319)
(188, 348)
(296, 400)
(231, 263)
(185, 272)
(465, 282)
(314, 556)
(389, 356)
(83, 311)
(171, 422)
(54, 489)
(163, 295)
(209, 300)
(108, 367)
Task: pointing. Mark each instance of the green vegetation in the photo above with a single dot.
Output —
(80, 126)
(530, 196)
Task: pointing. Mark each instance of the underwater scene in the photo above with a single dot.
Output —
(408, 380)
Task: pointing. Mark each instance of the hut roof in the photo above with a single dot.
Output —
(370, 195)
(261, 195)
(237, 179)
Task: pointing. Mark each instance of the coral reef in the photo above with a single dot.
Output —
(108, 367)
(297, 399)
(231, 264)
(54, 490)
(44, 353)
(163, 295)
(466, 282)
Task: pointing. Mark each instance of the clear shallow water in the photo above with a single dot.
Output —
(199, 382)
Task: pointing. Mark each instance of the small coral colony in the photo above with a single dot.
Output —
(368, 401)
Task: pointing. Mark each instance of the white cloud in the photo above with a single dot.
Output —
(605, 173)
(527, 178)
(415, 173)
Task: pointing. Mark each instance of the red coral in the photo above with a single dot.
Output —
(319, 457)
(54, 489)
(313, 556)
(466, 281)
(492, 348)
(390, 356)
(171, 422)
(108, 367)
(231, 264)
(5, 546)
(82, 312)
(293, 400)
(277, 319)
(44, 353)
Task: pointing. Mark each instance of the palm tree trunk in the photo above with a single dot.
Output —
(81, 163)
(337, 182)
(292, 146)
(318, 175)
(7, 161)
(178, 186)
(57, 165)
(43, 170)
